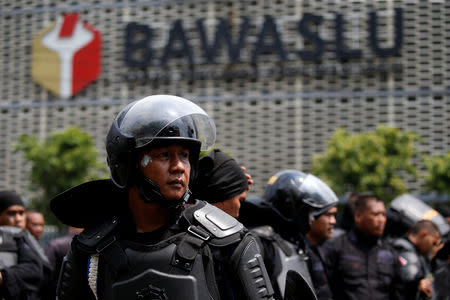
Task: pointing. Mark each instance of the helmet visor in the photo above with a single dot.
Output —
(413, 210)
(164, 116)
(317, 193)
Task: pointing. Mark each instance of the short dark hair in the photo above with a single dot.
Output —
(424, 225)
(362, 199)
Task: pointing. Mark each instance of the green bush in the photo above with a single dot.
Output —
(369, 161)
(62, 160)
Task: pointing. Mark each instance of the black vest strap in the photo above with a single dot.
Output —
(116, 258)
(188, 248)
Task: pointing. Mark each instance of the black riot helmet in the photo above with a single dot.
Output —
(152, 122)
(406, 210)
(298, 197)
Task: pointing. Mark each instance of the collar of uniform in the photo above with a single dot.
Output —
(358, 237)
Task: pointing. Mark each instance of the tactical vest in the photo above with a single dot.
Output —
(178, 266)
(414, 266)
(290, 271)
(8, 246)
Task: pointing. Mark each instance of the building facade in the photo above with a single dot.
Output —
(277, 77)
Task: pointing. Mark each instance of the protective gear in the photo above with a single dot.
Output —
(282, 242)
(8, 246)
(297, 197)
(406, 210)
(163, 286)
(151, 122)
(177, 265)
(360, 267)
(20, 265)
(414, 268)
(287, 264)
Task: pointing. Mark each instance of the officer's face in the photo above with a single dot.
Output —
(427, 241)
(232, 206)
(13, 216)
(35, 224)
(169, 168)
(371, 220)
(323, 226)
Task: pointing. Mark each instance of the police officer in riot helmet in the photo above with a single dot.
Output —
(293, 197)
(412, 235)
(148, 239)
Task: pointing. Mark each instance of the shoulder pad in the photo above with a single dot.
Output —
(8, 243)
(264, 231)
(402, 244)
(12, 230)
(216, 221)
(96, 238)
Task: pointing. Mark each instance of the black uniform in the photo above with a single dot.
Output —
(19, 264)
(361, 267)
(206, 254)
(292, 199)
(316, 267)
(415, 267)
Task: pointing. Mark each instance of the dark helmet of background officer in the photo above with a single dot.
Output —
(151, 122)
(297, 197)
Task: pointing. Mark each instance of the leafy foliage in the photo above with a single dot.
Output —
(438, 175)
(370, 161)
(62, 160)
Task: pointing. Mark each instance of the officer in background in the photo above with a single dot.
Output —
(34, 226)
(20, 268)
(35, 223)
(359, 264)
(402, 214)
(413, 250)
(221, 182)
(280, 221)
(322, 229)
(141, 239)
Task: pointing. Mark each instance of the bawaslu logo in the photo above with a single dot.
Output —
(66, 56)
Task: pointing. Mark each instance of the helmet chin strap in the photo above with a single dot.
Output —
(151, 193)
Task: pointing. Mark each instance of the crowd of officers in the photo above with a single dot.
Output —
(170, 224)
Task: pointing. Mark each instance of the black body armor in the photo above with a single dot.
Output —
(8, 246)
(190, 260)
(286, 264)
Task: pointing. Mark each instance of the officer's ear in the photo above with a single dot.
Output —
(422, 234)
(358, 216)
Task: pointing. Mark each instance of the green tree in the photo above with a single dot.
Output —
(62, 160)
(370, 161)
(438, 176)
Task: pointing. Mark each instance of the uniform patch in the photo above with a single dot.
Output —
(402, 261)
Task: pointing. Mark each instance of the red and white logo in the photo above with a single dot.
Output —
(402, 261)
(66, 56)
